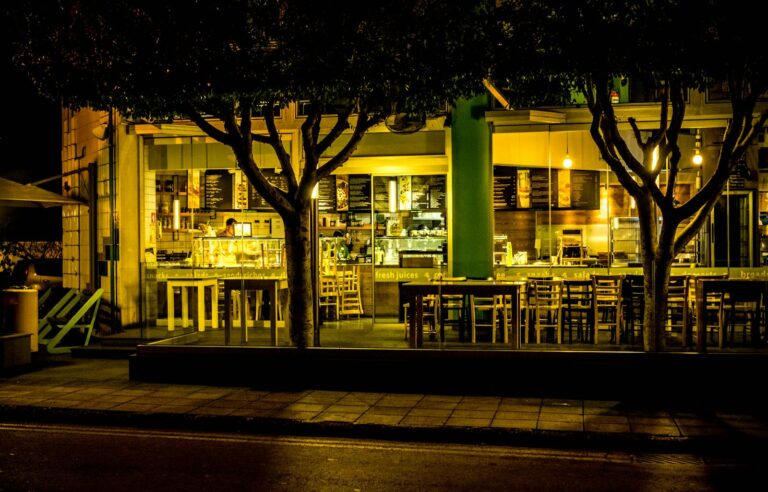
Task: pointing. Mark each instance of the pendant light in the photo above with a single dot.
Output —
(567, 161)
(697, 157)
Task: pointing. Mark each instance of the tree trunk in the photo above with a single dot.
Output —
(656, 272)
(298, 244)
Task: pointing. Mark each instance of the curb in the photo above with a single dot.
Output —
(731, 445)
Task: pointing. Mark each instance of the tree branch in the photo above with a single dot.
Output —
(208, 128)
(672, 148)
(342, 123)
(363, 124)
(277, 144)
(611, 130)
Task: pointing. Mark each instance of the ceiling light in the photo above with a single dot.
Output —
(567, 161)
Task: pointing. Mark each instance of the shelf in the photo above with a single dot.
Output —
(180, 193)
(181, 214)
(182, 230)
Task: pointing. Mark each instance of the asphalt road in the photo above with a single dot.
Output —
(67, 458)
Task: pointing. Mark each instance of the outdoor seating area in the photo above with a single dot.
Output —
(592, 312)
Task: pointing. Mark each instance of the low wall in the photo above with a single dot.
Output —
(723, 378)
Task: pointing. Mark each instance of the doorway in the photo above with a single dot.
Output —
(733, 230)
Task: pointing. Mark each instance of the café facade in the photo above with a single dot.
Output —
(478, 199)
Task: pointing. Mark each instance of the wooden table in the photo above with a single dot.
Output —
(414, 293)
(194, 283)
(705, 287)
(273, 285)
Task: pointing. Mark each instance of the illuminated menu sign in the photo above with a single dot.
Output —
(218, 190)
(326, 194)
(359, 192)
(536, 188)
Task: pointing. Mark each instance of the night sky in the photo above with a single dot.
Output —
(30, 143)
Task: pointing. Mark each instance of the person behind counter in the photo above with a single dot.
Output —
(229, 229)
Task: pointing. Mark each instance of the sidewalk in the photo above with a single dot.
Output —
(63, 389)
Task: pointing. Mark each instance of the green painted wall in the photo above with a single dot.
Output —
(471, 186)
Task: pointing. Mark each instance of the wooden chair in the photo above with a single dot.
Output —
(741, 306)
(677, 308)
(82, 320)
(329, 297)
(577, 307)
(350, 303)
(492, 314)
(429, 317)
(607, 305)
(713, 308)
(545, 307)
(634, 307)
(452, 309)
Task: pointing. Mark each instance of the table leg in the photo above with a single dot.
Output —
(418, 312)
(412, 323)
(215, 304)
(184, 307)
(274, 300)
(201, 307)
(701, 338)
(171, 313)
(515, 321)
(243, 316)
(227, 315)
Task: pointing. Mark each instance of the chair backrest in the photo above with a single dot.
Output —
(577, 292)
(677, 289)
(607, 289)
(547, 294)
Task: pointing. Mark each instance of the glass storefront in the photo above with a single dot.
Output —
(377, 229)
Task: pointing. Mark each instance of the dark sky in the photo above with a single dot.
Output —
(30, 144)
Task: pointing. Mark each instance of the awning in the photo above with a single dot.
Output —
(13, 194)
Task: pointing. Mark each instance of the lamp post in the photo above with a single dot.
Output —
(313, 232)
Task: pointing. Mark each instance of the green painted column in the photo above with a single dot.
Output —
(471, 198)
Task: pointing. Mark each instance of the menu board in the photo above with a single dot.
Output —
(404, 192)
(419, 192)
(326, 194)
(529, 189)
(359, 192)
(585, 190)
(437, 192)
(342, 193)
(241, 190)
(381, 194)
(255, 200)
(218, 189)
(504, 187)
(540, 190)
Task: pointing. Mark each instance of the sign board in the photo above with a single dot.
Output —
(517, 188)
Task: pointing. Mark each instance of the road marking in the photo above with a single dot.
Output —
(370, 445)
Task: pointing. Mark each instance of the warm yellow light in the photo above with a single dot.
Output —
(603, 203)
(697, 158)
(392, 196)
(567, 162)
(655, 160)
(176, 214)
(632, 203)
(316, 191)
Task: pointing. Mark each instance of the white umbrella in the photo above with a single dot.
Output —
(13, 194)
